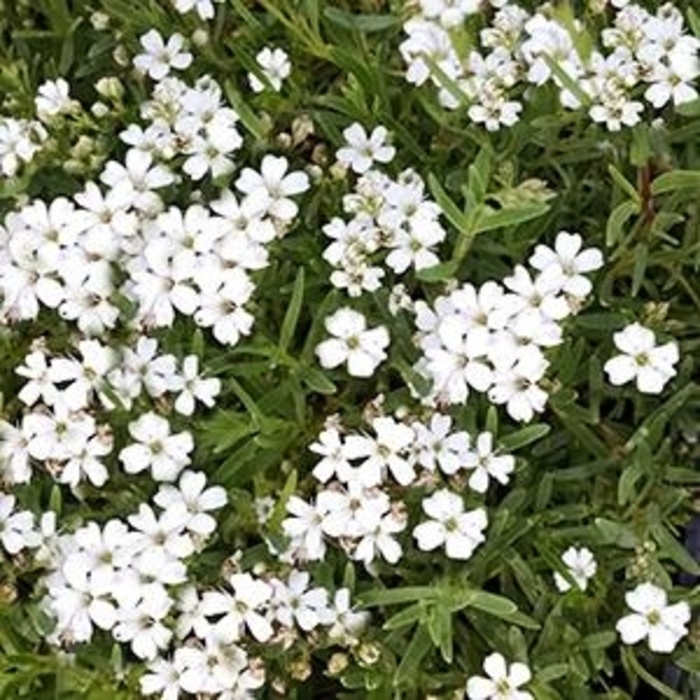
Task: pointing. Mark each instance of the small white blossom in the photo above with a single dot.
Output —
(53, 99)
(502, 682)
(652, 618)
(156, 448)
(450, 526)
(581, 566)
(642, 360)
(362, 150)
(362, 348)
(159, 58)
(274, 65)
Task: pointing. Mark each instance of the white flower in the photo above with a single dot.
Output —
(642, 360)
(156, 449)
(163, 677)
(204, 8)
(159, 57)
(502, 682)
(271, 188)
(274, 65)
(459, 531)
(346, 624)
(617, 110)
(15, 463)
(486, 464)
(436, 445)
(141, 624)
(195, 387)
(516, 384)
(16, 527)
(40, 384)
(53, 99)
(581, 566)
(567, 263)
(363, 150)
(293, 601)
(353, 343)
(305, 529)
(653, 619)
(196, 499)
(242, 609)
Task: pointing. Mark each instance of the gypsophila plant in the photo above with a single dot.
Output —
(348, 349)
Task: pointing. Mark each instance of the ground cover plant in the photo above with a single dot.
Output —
(348, 349)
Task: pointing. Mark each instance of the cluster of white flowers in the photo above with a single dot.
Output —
(493, 339)
(649, 57)
(359, 473)
(129, 578)
(212, 627)
(60, 431)
(390, 217)
(642, 360)
(67, 255)
(20, 141)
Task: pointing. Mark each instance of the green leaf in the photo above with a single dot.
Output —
(694, 21)
(551, 673)
(571, 84)
(681, 475)
(280, 510)
(439, 623)
(56, 500)
(417, 649)
(651, 428)
(672, 548)
(689, 109)
(582, 433)
(624, 184)
(248, 118)
(453, 213)
(619, 534)
(493, 604)
(676, 180)
(599, 640)
(407, 616)
(690, 661)
(632, 473)
(361, 22)
(317, 381)
(620, 215)
(661, 688)
(641, 258)
(479, 174)
(640, 149)
(493, 219)
(525, 436)
(394, 596)
(438, 273)
(291, 317)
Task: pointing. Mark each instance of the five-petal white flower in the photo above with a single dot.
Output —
(652, 618)
(353, 343)
(502, 682)
(642, 360)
